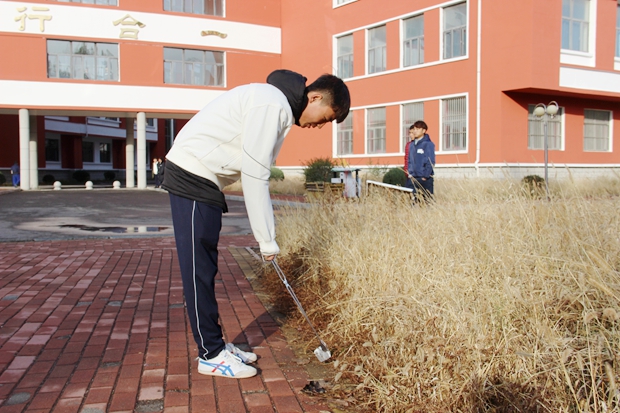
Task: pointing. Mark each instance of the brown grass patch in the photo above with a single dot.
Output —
(486, 300)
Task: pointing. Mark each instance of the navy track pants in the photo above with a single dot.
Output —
(197, 232)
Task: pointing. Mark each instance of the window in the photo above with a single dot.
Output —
(52, 150)
(88, 151)
(82, 60)
(575, 24)
(105, 155)
(344, 137)
(596, 130)
(376, 130)
(618, 30)
(104, 2)
(209, 7)
(345, 56)
(193, 67)
(455, 31)
(454, 124)
(413, 44)
(412, 112)
(376, 50)
(536, 130)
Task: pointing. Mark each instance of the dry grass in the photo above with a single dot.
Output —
(291, 185)
(487, 300)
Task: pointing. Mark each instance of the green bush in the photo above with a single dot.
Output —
(395, 176)
(2, 179)
(81, 176)
(533, 185)
(48, 179)
(319, 170)
(276, 174)
(109, 175)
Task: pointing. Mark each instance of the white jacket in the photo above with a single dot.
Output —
(240, 133)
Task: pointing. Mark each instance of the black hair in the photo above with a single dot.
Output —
(336, 94)
(420, 125)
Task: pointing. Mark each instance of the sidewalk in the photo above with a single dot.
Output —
(98, 325)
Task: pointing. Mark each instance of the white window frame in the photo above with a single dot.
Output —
(97, 164)
(441, 125)
(367, 128)
(345, 129)
(575, 57)
(340, 3)
(350, 57)
(184, 62)
(383, 49)
(610, 132)
(442, 31)
(191, 12)
(404, 40)
(533, 118)
(406, 123)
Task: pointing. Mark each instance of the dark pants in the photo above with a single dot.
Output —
(197, 233)
(422, 190)
(158, 181)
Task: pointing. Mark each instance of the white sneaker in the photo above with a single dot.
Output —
(246, 356)
(225, 364)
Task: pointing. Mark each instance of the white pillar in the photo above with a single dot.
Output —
(141, 150)
(24, 149)
(129, 154)
(34, 154)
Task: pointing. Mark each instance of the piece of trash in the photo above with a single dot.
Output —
(314, 387)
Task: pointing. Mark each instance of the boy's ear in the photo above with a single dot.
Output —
(314, 96)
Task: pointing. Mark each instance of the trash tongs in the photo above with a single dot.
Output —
(322, 352)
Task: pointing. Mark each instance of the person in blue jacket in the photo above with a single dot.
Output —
(420, 161)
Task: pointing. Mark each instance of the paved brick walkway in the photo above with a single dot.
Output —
(98, 326)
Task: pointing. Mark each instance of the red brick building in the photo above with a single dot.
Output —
(106, 84)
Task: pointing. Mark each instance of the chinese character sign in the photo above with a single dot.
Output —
(128, 32)
(41, 17)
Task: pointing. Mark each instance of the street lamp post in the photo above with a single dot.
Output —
(542, 111)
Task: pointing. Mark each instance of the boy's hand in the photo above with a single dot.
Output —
(269, 257)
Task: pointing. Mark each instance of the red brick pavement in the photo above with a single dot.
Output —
(99, 326)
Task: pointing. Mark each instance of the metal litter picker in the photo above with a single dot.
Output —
(322, 352)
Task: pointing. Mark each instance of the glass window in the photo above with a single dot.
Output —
(52, 150)
(208, 7)
(344, 139)
(105, 154)
(575, 24)
(412, 112)
(454, 124)
(596, 130)
(413, 43)
(193, 67)
(376, 130)
(82, 60)
(536, 130)
(455, 31)
(345, 56)
(103, 2)
(88, 151)
(377, 49)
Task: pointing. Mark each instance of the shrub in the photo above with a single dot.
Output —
(534, 185)
(2, 179)
(81, 176)
(395, 176)
(318, 170)
(109, 175)
(276, 174)
(48, 179)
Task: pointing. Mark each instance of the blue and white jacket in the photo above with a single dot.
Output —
(421, 158)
